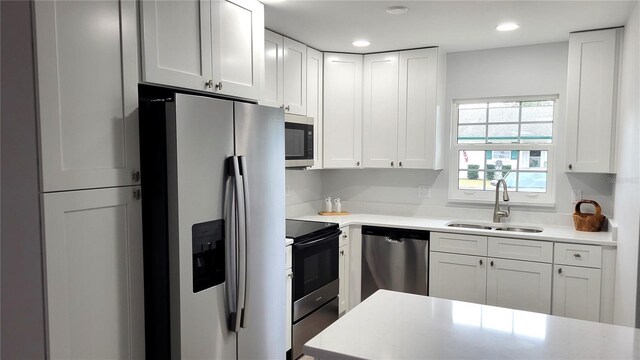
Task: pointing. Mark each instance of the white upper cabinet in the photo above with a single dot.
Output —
(273, 94)
(295, 77)
(237, 33)
(421, 108)
(342, 120)
(176, 42)
(94, 274)
(380, 114)
(591, 101)
(314, 101)
(87, 63)
(211, 45)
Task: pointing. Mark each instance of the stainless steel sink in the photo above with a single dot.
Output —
(520, 229)
(470, 226)
(497, 227)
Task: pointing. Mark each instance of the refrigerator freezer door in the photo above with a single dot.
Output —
(260, 140)
(199, 140)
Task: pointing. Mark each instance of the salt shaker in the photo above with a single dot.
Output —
(337, 206)
(327, 204)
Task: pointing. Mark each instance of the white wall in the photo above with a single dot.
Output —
(627, 187)
(23, 323)
(303, 192)
(525, 70)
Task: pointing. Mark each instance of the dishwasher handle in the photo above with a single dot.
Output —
(393, 241)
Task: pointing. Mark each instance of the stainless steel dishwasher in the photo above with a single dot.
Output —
(394, 259)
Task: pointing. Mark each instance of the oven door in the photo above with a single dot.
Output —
(298, 146)
(315, 273)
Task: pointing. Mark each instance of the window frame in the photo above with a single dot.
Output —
(546, 199)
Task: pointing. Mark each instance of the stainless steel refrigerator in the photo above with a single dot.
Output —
(214, 226)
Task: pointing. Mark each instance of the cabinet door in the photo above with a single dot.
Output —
(314, 101)
(273, 69)
(591, 110)
(380, 115)
(87, 91)
(576, 292)
(295, 77)
(94, 275)
(342, 111)
(343, 274)
(237, 32)
(458, 277)
(521, 285)
(176, 42)
(288, 308)
(420, 110)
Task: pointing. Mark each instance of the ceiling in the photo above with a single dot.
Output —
(453, 25)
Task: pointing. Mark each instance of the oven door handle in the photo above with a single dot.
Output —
(322, 238)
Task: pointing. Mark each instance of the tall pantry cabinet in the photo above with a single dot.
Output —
(87, 75)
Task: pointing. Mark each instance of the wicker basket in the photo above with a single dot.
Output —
(587, 221)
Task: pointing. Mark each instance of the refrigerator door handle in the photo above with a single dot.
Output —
(245, 246)
(231, 223)
(241, 246)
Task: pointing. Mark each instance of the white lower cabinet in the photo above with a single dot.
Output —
(458, 277)
(521, 285)
(94, 274)
(343, 272)
(576, 292)
(288, 298)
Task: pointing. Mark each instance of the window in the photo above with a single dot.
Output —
(510, 139)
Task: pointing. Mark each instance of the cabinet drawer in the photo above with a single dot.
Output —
(459, 244)
(288, 260)
(344, 237)
(578, 255)
(530, 250)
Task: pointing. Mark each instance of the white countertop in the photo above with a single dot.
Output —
(550, 232)
(393, 325)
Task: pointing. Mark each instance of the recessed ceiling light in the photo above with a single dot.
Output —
(397, 10)
(361, 43)
(507, 27)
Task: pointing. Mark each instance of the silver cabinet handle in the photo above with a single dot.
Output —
(290, 275)
(288, 108)
(570, 167)
(400, 163)
(282, 106)
(392, 164)
(577, 256)
(358, 163)
(560, 271)
(208, 84)
(341, 252)
(344, 236)
(491, 263)
(481, 262)
(135, 176)
(219, 86)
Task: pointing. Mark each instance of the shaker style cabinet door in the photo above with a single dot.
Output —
(295, 77)
(591, 101)
(343, 273)
(342, 111)
(94, 274)
(237, 32)
(176, 42)
(421, 108)
(458, 277)
(520, 285)
(273, 94)
(380, 115)
(314, 101)
(87, 63)
(576, 292)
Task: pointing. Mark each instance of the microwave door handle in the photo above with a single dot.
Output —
(231, 241)
(244, 279)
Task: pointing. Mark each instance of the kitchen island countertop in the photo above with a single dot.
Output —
(393, 325)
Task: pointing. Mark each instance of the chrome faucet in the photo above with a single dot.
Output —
(497, 213)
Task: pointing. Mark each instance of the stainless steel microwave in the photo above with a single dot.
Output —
(298, 143)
